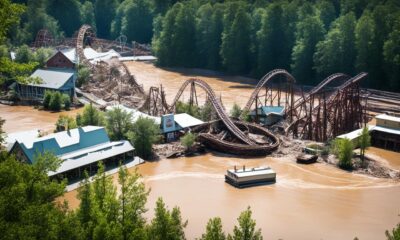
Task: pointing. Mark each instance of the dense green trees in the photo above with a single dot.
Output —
(104, 15)
(67, 13)
(235, 48)
(311, 39)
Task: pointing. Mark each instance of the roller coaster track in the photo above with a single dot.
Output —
(217, 106)
(264, 80)
(332, 101)
(347, 85)
(80, 43)
(319, 87)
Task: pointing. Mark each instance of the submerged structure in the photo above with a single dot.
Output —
(247, 177)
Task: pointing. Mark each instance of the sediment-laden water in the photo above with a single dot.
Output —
(307, 202)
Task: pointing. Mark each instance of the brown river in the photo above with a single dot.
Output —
(307, 202)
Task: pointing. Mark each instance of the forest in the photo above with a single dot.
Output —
(311, 39)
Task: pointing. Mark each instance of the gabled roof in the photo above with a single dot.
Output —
(65, 142)
(70, 53)
(52, 78)
(11, 138)
(185, 120)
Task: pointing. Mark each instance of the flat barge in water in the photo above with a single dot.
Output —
(242, 178)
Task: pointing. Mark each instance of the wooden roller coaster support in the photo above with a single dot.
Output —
(216, 103)
(273, 94)
(341, 112)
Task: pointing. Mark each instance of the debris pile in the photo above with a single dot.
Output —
(112, 82)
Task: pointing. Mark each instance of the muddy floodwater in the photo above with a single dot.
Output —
(307, 201)
(231, 89)
(24, 118)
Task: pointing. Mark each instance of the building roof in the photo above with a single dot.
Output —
(93, 56)
(388, 117)
(137, 58)
(251, 171)
(180, 121)
(355, 134)
(52, 78)
(76, 148)
(70, 53)
(135, 113)
(11, 138)
(92, 154)
(185, 120)
(63, 142)
(386, 130)
(268, 110)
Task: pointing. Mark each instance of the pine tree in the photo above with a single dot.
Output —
(214, 230)
(246, 229)
(132, 201)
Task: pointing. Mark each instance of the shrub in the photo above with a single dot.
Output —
(66, 99)
(83, 76)
(55, 101)
(90, 116)
(188, 140)
(65, 123)
(47, 99)
(236, 111)
(344, 151)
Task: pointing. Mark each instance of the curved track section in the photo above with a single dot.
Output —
(356, 79)
(83, 31)
(319, 87)
(217, 106)
(219, 144)
(264, 80)
(335, 108)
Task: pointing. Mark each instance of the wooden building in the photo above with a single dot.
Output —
(62, 59)
(54, 79)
